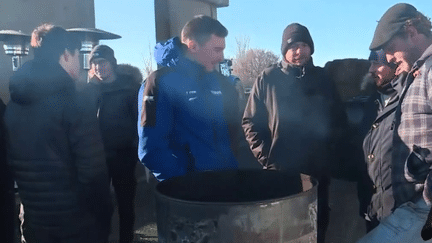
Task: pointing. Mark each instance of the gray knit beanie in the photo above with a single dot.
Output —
(105, 52)
(296, 33)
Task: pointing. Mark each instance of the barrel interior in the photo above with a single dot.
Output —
(232, 186)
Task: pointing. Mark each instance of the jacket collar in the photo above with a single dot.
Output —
(299, 71)
(38, 78)
(191, 67)
(399, 82)
(426, 54)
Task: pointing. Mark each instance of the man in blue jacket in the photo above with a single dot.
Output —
(188, 113)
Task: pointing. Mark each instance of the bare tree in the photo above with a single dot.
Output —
(242, 46)
(148, 63)
(249, 64)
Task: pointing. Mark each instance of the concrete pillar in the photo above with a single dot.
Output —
(25, 15)
(172, 15)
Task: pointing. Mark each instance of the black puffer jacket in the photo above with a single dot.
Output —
(117, 108)
(7, 202)
(56, 152)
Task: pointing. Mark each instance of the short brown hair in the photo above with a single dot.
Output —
(200, 29)
(50, 41)
(421, 22)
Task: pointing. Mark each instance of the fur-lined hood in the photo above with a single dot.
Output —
(128, 78)
(129, 70)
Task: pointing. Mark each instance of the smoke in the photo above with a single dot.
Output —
(368, 85)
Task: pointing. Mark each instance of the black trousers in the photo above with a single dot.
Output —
(7, 211)
(323, 207)
(121, 168)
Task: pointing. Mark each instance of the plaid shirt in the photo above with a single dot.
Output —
(414, 134)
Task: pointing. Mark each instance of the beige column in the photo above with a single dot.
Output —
(172, 15)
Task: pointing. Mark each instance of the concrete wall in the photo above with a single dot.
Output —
(172, 15)
(25, 15)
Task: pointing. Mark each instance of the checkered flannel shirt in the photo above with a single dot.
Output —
(415, 131)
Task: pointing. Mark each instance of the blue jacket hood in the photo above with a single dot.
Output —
(168, 53)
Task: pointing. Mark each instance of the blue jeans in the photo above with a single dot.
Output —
(403, 225)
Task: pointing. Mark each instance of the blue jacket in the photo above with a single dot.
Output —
(187, 121)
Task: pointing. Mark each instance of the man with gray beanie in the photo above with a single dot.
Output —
(103, 64)
(293, 115)
(405, 36)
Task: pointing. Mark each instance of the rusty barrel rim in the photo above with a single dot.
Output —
(159, 192)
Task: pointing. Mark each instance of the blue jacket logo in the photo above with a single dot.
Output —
(218, 92)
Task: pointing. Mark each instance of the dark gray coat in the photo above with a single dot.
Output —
(292, 118)
(378, 151)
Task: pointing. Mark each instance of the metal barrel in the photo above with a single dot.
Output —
(237, 206)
